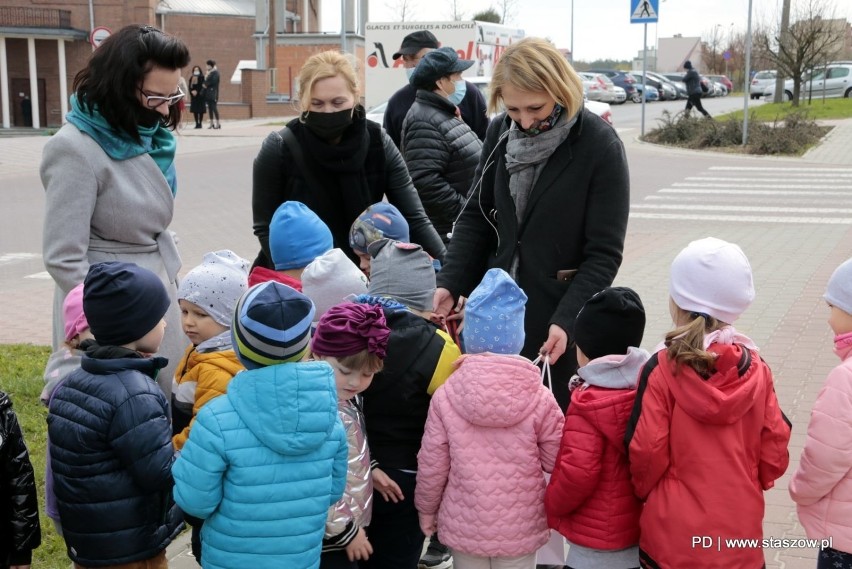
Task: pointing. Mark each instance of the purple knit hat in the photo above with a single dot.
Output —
(349, 328)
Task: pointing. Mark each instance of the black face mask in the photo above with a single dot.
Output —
(328, 126)
(149, 117)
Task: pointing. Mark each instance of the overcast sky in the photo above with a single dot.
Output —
(602, 28)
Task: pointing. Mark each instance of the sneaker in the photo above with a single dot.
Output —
(437, 556)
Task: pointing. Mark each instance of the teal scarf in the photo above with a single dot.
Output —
(157, 141)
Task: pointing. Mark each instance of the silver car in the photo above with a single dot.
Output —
(760, 81)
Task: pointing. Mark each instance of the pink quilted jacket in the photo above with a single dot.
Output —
(822, 485)
(493, 429)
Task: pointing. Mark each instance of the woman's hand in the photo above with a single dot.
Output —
(442, 302)
(385, 485)
(556, 343)
(359, 548)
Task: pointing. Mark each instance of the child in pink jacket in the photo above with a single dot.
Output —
(822, 485)
(493, 430)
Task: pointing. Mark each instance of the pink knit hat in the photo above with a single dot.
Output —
(72, 313)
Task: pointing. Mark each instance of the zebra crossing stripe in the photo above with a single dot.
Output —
(773, 169)
(744, 218)
(748, 208)
(743, 191)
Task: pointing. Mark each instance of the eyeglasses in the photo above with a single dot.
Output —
(154, 101)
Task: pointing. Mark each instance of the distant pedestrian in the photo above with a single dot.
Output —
(20, 532)
(693, 89)
(822, 485)
(706, 436)
(493, 430)
(211, 93)
(197, 96)
(589, 499)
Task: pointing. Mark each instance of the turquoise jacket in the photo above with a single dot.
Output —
(262, 466)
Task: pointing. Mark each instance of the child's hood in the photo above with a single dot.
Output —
(291, 408)
(615, 371)
(728, 394)
(492, 390)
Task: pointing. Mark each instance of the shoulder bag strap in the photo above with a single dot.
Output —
(295, 148)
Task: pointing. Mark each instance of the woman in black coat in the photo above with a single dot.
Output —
(439, 148)
(550, 202)
(335, 161)
(198, 97)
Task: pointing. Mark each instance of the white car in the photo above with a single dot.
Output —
(377, 113)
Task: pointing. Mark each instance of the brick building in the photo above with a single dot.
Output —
(43, 44)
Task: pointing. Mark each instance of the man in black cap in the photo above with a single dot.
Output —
(414, 46)
(693, 89)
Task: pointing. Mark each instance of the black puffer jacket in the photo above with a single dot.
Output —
(441, 153)
(111, 453)
(20, 532)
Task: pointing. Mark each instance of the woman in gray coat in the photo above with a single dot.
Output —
(439, 148)
(109, 174)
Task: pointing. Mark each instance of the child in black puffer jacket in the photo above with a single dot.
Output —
(20, 531)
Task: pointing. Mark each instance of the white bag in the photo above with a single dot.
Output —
(555, 551)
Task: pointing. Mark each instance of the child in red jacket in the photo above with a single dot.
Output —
(589, 499)
(706, 436)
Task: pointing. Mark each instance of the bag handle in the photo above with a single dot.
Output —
(544, 360)
(295, 148)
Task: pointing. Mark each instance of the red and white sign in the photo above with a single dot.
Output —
(98, 35)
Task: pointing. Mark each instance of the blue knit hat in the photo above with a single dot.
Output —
(297, 236)
(494, 316)
(122, 302)
(379, 221)
(272, 324)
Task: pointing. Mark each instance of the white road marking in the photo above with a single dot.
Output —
(44, 275)
(743, 191)
(744, 218)
(748, 208)
(773, 169)
(12, 257)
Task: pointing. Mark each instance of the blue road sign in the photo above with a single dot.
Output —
(644, 11)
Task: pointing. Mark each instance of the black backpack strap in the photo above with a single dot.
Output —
(288, 138)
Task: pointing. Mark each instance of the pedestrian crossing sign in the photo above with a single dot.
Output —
(644, 11)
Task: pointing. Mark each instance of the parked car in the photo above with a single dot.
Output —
(653, 94)
(829, 81)
(667, 91)
(620, 78)
(760, 81)
(595, 88)
(729, 85)
(603, 110)
(620, 94)
(666, 81)
(677, 81)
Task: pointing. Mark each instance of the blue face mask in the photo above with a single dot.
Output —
(459, 93)
(409, 71)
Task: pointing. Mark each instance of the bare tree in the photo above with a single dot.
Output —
(456, 13)
(713, 48)
(508, 10)
(812, 39)
(404, 9)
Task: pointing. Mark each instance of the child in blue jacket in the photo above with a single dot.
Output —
(264, 462)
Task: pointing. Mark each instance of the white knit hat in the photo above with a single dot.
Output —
(330, 278)
(839, 290)
(216, 284)
(713, 277)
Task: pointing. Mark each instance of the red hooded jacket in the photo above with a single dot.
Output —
(590, 499)
(702, 451)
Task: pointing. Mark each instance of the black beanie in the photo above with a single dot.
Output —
(610, 322)
(122, 302)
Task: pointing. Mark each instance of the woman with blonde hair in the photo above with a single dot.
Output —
(335, 161)
(549, 203)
